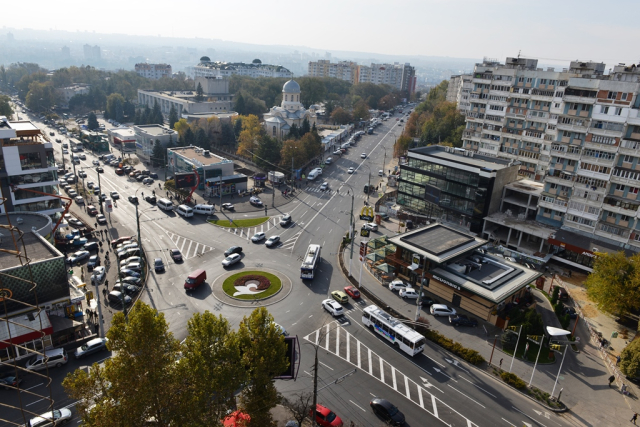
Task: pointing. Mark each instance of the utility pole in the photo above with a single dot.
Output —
(99, 197)
(351, 232)
(315, 388)
(422, 279)
(369, 186)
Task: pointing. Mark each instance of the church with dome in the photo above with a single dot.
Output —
(278, 121)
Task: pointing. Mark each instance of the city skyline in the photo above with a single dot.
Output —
(406, 27)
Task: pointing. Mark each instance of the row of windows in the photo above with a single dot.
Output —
(448, 173)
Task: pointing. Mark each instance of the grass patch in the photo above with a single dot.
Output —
(229, 289)
(240, 223)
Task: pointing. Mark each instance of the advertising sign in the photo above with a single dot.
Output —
(186, 180)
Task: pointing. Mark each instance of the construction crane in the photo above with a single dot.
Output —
(66, 207)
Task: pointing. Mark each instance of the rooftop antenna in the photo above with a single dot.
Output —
(519, 53)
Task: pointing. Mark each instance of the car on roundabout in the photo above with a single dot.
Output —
(175, 254)
(340, 296)
(114, 195)
(363, 155)
(227, 206)
(350, 170)
(231, 259)
(255, 201)
(92, 346)
(326, 417)
(286, 220)
(233, 250)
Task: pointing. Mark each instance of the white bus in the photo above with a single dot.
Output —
(310, 262)
(396, 332)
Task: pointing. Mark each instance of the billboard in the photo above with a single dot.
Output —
(186, 180)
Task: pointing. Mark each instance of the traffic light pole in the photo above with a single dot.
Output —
(516, 349)
(559, 370)
(537, 357)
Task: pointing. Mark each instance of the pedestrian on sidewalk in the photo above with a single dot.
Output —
(500, 363)
(634, 418)
(618, 360)
(611, 380)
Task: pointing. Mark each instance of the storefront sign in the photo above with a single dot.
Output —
(446, 282)
(589, 254)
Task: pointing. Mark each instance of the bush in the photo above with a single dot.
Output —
(555, 295)
(513, 380)
(456, 348)
(565, 320)
(558, 309)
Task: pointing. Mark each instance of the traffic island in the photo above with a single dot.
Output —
(251, 288)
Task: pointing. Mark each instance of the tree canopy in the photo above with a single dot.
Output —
(152, 376)
(614, 284)
(5, 106)
(92, 122)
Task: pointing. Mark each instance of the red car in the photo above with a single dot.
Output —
(91, 210)
(352, 292)
(119, 171)
(326, 417)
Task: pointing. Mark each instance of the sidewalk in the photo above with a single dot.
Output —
(584, 376)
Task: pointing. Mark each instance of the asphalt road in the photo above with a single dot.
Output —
(426, 388)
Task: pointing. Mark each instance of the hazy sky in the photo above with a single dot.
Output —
(553, 30)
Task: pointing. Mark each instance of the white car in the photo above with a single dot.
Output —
(231, 259)
(82, 174)
(99, 273)
(89, 184)
(372, 226)
(95, 163)
(272, 241)
(258, 237)
(324, 186)
(397, 285)
(333, 307)
(57, 416)
(350, 170)
(318, 171)
(442, 310)
(408, 293)
(255, 201)
(363, 155)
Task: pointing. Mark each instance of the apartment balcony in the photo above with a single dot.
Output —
(627, 181)
(475, 136)
(594, 199)
(581, 126)
(579, 99)
(592, 174)
(556, 205)
(626, 147)
(565, 155)
(506, 155)
(634, 135)
(602, 147)
(516, 116)
(634, 117)
(598, 161)
(614, 133)
(576, 113)
(533, 136)
(480, 80)
(613, 232)
(622, 206)
(560, 178)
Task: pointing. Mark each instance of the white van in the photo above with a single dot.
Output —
(76, 159)
(312, 175)
(165, 204)
(204, 209)
(184, 211)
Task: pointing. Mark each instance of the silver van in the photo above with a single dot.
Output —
(54, 357)
(185, 211)
(165, 204)
(204, 209)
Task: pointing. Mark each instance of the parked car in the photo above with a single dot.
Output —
(92, 346)
(372, 226)
(397, 285)
(462, 320)
(442, 310)
(387, 411)
(91, 210)
(133, 199)
(150, 199)
(99, 273)
(333, 307)
(125, 272)
(132, 280)
(10, 381)
(127, 288)
(101, 219)
(408, 293)
(352, 292)
(118, 298)
(55, 417)
(350, 170)
(94, 261)
(77, 257)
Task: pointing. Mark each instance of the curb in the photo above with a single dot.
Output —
(252, 304)
(382, 306)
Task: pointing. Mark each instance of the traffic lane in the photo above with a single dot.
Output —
(453, 381)
(36, 384)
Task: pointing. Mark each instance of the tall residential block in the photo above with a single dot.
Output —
(153, 71)
(400, 76)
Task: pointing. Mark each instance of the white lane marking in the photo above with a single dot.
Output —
(33, 403)
(326, 366)
(37, 385)
(357, 405)
(393, 376)
(513, 425)
(475, 401)
(531, 418)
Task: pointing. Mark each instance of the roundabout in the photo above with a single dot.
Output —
(251, 288)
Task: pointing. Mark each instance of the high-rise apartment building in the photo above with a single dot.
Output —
(400, 76)
(577, 131)
(343, 70)
(459, 90)
(153, 71)
(91, 52)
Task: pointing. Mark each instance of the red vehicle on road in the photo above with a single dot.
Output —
(352, 292)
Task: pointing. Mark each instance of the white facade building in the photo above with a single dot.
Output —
(343, 70)
(208, 68)
(278, 121)
(153, 71)
(66, 93)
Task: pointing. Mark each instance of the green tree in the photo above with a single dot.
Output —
(312, 91)
(630, 359)
(199, 93)
(158, 154)
(294, 131)
(189, 137)
(119, 107)
(5, 106)
(23, 86)
(92, 122)
(361, 111)
(212, 353)
(157, 119)
(305, 127)
(340, 116)
(173, 117)
(201, 139)
(135, 341)
(41, 96)
(240, 106)
(264, 356)
(227, 136)
(312, 145)
(614, 283)
(237, 127)
(114, 107)
(268, 153)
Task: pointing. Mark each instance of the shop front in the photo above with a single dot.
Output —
(226, 185)
(579, 251)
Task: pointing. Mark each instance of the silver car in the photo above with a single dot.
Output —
(231, 259)
(92, 346)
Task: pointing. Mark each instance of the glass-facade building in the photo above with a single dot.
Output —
(448, 184)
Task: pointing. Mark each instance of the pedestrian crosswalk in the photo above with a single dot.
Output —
(343, 191)
(188, 248)
(335, 339)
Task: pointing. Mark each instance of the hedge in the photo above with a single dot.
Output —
(470, 355)
(513, 380)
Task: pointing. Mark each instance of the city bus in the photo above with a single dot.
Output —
(310, 262)
(396, 332)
